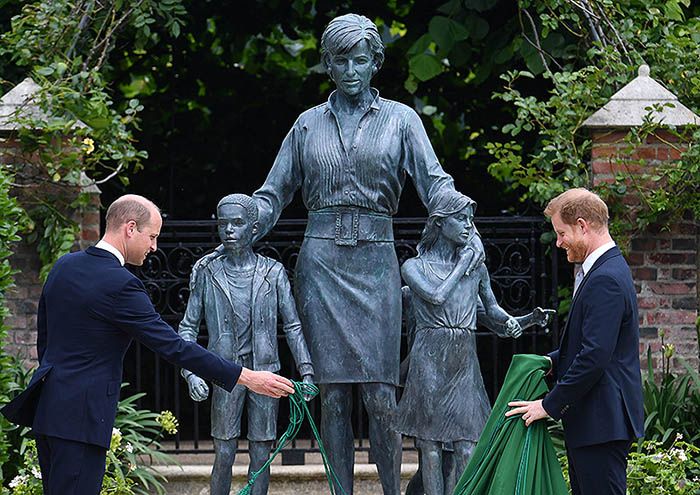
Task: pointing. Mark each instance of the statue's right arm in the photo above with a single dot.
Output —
(281, 183)
(437, 294)
(189, 326)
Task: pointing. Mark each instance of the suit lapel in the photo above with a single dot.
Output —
(610, 253)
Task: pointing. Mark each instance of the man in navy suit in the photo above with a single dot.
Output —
(598, 390)
(90, 310)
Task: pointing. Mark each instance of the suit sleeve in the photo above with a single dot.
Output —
(134, 313)
(603, 311)
(554, 356)
(292, 325)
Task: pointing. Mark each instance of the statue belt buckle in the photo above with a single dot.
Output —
(347, 226)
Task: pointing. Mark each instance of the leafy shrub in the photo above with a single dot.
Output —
(13, 221)
(133, 447)
(13, 378)
(657, 470)
(671, 403)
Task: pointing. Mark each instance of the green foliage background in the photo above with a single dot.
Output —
(196, 96)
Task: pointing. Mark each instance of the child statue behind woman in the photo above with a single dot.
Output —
(444, 401)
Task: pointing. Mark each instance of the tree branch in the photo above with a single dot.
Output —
(621, 43)
(536, 44)
(104, 44)
(113, 174)
(84, 20)
(593, 20)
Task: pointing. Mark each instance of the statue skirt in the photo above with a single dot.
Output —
(444, 399)
(349, 301)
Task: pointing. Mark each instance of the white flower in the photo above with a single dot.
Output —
(18, 481)
(129, 448)
(36, 472)
(116, 440)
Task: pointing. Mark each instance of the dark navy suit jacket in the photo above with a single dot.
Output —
(598, 394)
(90, 310)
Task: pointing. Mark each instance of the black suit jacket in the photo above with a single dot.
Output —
(598, 394)
(90, 310)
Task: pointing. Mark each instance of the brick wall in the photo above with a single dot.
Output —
(664, 262)
(23, 299)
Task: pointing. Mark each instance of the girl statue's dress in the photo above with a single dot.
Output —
(445, 398)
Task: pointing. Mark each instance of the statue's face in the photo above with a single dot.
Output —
(235, 229)
(459, 227)
(353, 71)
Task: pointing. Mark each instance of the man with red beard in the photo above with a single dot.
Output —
(598, 390)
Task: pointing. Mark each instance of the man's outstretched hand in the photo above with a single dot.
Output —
(266, 383)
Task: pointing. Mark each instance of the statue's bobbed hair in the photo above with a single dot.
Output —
(242, 200)
(441, 206)
(345, 31)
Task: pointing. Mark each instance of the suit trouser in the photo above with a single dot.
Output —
(599, 469)
(69, 467)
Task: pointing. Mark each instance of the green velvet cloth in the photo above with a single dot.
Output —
(511, 458)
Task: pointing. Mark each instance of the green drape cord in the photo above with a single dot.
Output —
(298, 410)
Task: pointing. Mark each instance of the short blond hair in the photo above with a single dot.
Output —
(130, 207)
(579, 203)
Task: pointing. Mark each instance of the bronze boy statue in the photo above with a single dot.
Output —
(239, 294)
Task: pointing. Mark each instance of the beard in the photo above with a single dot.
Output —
(576, 252)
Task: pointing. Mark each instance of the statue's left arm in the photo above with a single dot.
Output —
(494, 317)
(421, 163)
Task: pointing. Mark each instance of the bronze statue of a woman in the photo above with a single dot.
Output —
(350, 157)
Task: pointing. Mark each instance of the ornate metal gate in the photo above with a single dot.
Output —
(523, 275)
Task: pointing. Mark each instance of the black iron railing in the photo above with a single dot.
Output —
(523, 275)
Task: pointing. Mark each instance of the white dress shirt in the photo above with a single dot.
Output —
(593, 257)
(102, 244)
(589, 262)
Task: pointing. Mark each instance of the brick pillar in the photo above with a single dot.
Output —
(664, 262)
(23, 299)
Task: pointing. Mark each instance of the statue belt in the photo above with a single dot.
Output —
(347, 225)
(443, 327)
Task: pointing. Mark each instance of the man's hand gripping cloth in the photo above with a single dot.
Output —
(511, 458)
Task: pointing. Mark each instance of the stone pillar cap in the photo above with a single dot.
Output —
(87, 185)
(629, 106)
(20, 101)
